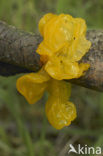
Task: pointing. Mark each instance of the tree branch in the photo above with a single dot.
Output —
(17, 55)
(17, 51)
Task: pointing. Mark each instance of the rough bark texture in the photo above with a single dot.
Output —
(93, 78)
(17, 51)
(17, 55)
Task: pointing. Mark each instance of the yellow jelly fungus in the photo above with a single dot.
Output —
(59, 110)
(33, 85)
(64, 44)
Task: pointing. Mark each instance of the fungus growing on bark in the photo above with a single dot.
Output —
(64, 44)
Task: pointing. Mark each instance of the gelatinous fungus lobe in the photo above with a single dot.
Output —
(64, 44)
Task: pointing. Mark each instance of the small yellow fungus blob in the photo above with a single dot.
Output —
(33, 85)
(64, 44)
(60, 112)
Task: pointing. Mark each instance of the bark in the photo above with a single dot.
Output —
(17, 51)
(17, 55)
(93, 78)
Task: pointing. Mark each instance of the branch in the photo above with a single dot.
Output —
(17, 55)
(17, 51)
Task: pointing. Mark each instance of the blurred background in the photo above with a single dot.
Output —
(24, 129)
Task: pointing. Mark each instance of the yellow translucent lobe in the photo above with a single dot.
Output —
(60, 112)
(33, 85)
(64, 44)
